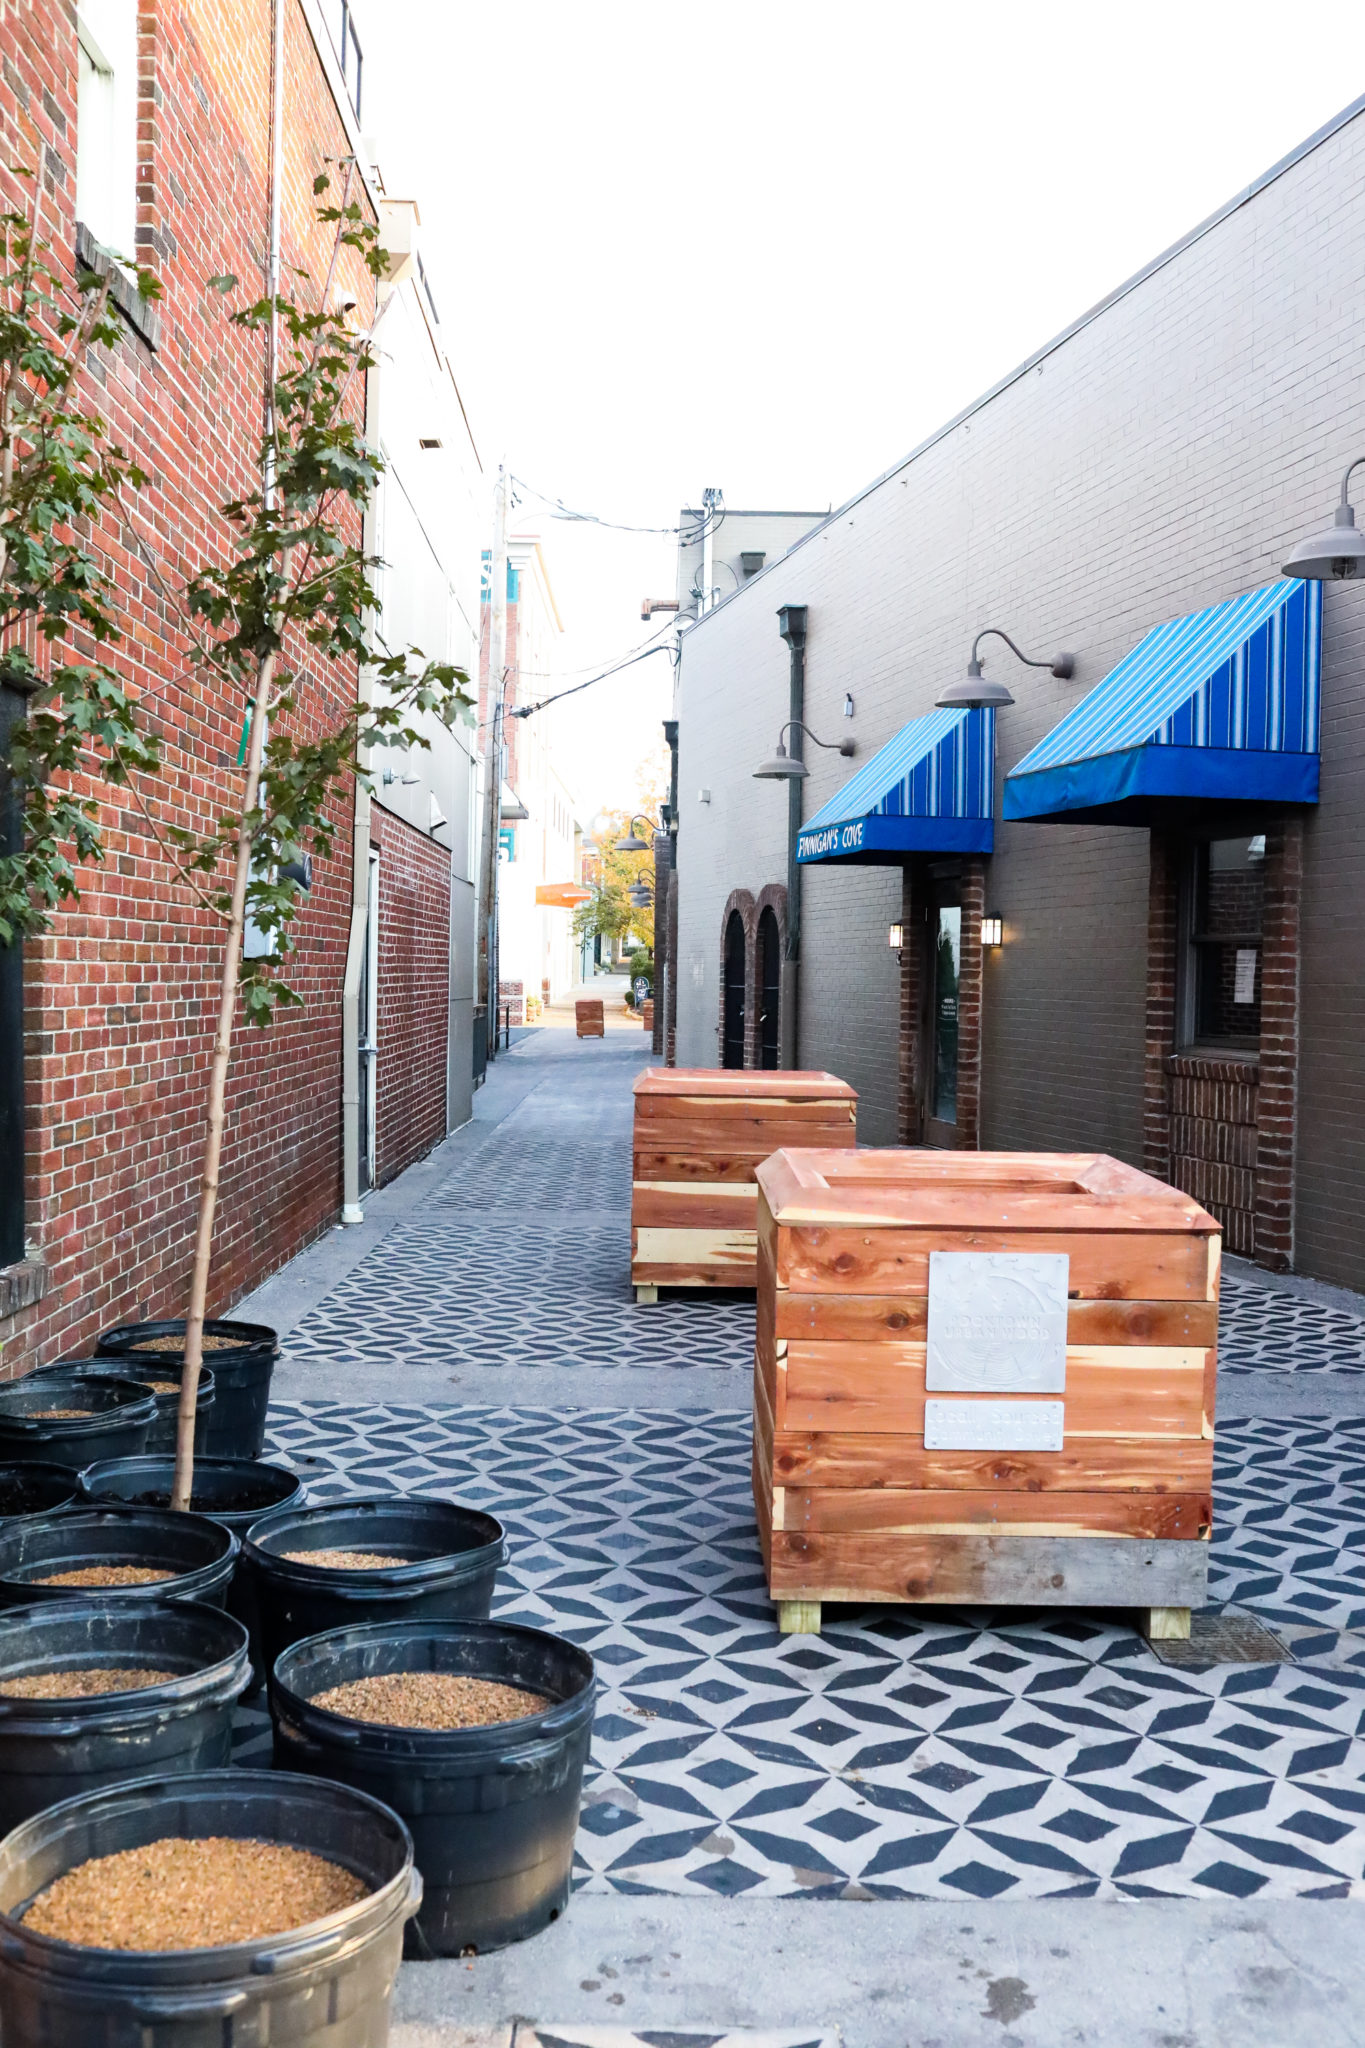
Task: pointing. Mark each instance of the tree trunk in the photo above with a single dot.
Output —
(213, 1135)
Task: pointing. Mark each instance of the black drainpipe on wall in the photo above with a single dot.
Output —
(792, 626)
(13, 704)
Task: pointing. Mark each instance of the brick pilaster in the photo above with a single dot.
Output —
(1163, 898)
(909, 1125)
(1278, 1095)
(969, 973)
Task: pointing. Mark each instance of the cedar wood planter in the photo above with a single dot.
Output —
(853, 1507)
(700, 1135)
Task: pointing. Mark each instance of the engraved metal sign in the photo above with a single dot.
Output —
(993, 1425)
(997, 1322)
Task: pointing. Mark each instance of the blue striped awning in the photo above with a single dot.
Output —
(929, 790)
(1220, 706)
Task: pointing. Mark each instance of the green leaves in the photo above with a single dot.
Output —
(59, 476)
(299, 579)
(296, 586)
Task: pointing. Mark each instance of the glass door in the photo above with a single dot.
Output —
(945, 963)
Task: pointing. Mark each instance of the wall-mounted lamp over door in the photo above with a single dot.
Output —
(976, 694)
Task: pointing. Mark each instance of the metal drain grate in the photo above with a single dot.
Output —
(1223, 1639)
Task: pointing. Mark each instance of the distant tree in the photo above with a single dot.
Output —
(609, 914)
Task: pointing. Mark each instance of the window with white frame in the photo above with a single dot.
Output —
(106, 124)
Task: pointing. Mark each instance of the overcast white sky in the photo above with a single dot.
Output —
(771, 244)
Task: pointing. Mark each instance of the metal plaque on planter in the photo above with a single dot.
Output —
(997, 1322)
(993, 1425)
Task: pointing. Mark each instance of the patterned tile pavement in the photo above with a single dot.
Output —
(906, 1754)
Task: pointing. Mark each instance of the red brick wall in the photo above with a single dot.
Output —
(413, 995)
(121, 994)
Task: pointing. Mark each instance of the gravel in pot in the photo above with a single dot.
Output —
(273, 1848)
(124, 1554)
(162, 1381)
(426, 1558)
(70, 1418)
(493, 1804)
(241, 1357)
(91, 1693)
(35, 1489)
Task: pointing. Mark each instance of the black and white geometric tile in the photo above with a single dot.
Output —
(447, 1291)
(522, 1255)
(1264, 1328)
(906, 1753)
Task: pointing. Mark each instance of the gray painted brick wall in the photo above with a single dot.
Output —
(1162, 458)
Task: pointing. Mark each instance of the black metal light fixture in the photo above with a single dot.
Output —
(1338, 555)
(632, 843)
(974, 693)
(785, 767)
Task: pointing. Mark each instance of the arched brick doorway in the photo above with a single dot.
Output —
(734, 1007)
(768, 1033)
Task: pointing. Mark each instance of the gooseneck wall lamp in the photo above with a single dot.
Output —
(1338, 555)
(785, 767)
(974, 693)
(631, 843)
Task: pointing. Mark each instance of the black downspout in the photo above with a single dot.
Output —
(664, 968)
(13, 704)
(792, 626)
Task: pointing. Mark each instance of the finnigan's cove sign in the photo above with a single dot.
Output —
(831, 839)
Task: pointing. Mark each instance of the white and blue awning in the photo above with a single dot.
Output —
(929, 790)
(1221, 706)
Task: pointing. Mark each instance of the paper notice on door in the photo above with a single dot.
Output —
(1244, 975)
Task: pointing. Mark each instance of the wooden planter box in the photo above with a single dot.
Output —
(589, 1020)
(1005, 1443)
(700, 1135)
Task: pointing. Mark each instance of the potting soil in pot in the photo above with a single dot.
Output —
(174, 1346)
(186, 1892)
(83, 1685)
(105, 1575)
(346, 1560)
(54, 1414)
(430, 1699)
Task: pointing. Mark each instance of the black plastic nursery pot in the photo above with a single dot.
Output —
(325, 1985)
(447, 1561)
(233, 1491)
(241, 1357)
(494, 1810)
(56, 1748)
(200, 1555)
(34, 1489)
(114, 1418)
(161, 1437)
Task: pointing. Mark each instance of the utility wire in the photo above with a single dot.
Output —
(562, 511)
(525, 710)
